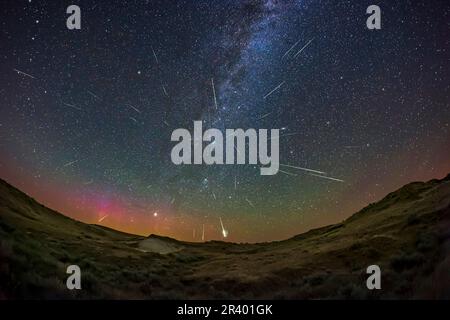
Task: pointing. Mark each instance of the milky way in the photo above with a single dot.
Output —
(87, 114)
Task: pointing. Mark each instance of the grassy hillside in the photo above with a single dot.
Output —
(407, 234)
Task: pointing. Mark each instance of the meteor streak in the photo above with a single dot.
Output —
(287, 52)
(214, 92)
(224, 231)
(24, 73)
(288, 173)
(102, 218)
(300, 168)
(275, 89)
(92, 94)
(303, 48)
(264, 116)
(134, 108)
(72, 106)
(249, 202)
(325, 177)
(70, 163)
(289, 134)
(285, 135)
(165, 91)
(154, 54)
(216, 121)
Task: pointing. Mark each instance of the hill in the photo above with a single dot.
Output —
(407, 234)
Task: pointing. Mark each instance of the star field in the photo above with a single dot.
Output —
(87, 115)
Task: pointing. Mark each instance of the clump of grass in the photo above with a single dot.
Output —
(405, 261)
(426, 242)
(315, 280)
(353, 292)
(188, 258)
(413, 219)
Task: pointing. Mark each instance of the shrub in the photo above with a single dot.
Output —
(406, 261)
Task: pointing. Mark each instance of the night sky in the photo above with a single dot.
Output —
(87, 115)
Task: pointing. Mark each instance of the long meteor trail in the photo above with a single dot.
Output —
(275, 89)
(311, 172)
(214, 92)
(303, 48)
(301, 168)
(24, 73)
(154, 55)
(285, 135)
(290, 49)
(72, 106)
(224, 231)
(102, 218)
(325, 177)
(288, 173)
